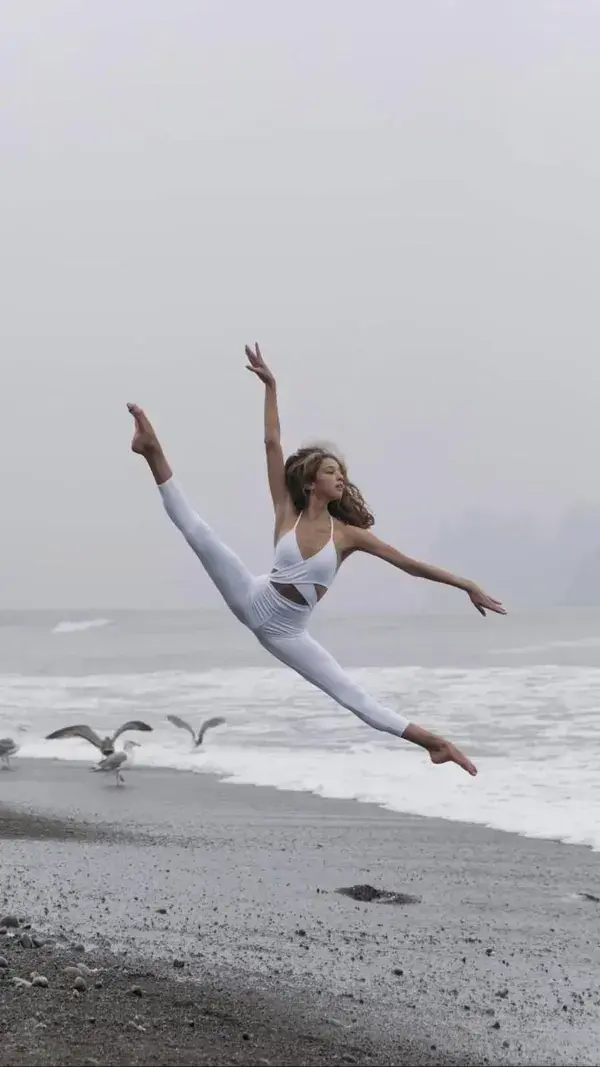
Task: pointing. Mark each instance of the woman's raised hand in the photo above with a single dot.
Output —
(257, 365)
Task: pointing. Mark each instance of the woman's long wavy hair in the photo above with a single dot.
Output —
(301, 470)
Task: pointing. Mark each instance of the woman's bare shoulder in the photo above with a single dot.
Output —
(347, 538)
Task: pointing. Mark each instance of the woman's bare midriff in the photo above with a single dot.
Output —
(291, 593)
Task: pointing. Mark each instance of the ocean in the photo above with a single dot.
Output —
(520, 694)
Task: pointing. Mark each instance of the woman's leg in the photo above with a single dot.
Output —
(233, 580)
(308, 658)
(305, 656)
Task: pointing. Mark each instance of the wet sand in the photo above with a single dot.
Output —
(221, 903)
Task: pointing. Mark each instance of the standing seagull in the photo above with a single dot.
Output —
(106, 744)
(207, 725)
(8, 748)
(116, 760)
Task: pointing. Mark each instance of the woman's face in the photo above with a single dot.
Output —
(330, 480)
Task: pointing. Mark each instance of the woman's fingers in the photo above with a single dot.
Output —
(254, 355)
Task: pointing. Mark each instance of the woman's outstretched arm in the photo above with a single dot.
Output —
(275, 460)
(365, 541)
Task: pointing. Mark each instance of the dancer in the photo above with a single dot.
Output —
(320, 520)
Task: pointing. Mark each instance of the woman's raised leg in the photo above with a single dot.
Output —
(232, 578)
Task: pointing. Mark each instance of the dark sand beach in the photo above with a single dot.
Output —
(213, 917)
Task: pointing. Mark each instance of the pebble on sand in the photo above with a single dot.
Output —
(9, 921)
(41, 981)
(367, 894)
(80, 984)
(80, 971)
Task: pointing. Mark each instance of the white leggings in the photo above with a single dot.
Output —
(278, 623)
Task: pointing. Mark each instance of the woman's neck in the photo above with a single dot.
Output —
(315, 508)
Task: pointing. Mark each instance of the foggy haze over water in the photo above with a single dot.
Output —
(398, 200)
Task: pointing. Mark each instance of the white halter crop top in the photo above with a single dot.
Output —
(290, 568)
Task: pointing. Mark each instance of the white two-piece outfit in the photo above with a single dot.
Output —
(278, 623)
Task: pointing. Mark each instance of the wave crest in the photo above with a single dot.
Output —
(71, 627)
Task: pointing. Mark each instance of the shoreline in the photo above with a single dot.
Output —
(495, 960)
(224, 778)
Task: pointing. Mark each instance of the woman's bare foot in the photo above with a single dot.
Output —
(446, 752)
(144, 438)
(146, 444)
(440, 750)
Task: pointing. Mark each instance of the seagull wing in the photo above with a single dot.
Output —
(182, 724)
(208, 725)
(135, 724)
(85, 732)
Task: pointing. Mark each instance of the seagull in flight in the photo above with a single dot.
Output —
(106, 744)
(8, 748)
(207, 725)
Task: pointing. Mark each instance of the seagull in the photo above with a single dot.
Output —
(106, 744)
(8, 748)
(114, 761)
(207, 725)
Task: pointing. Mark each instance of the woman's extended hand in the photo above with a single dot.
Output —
(483, 602)
(257, 365)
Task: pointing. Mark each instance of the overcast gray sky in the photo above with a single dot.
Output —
(399, 199)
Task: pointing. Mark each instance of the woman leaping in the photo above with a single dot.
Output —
(320, 520)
